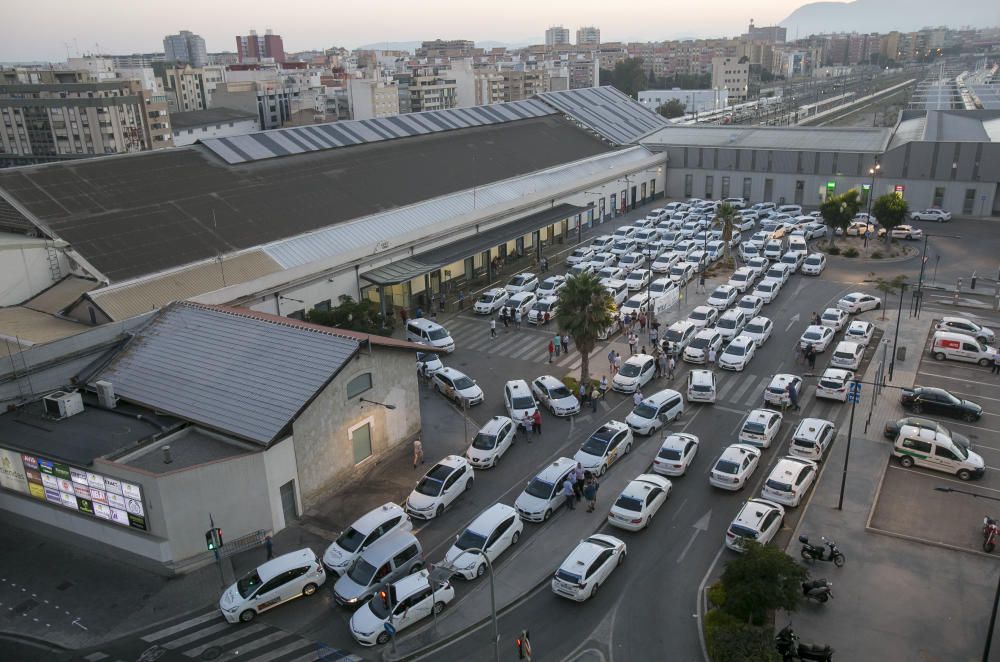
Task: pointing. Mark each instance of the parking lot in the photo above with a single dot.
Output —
(950, 519)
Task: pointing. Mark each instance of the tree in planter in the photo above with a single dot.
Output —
(891, 211)
(671, 109)
(585, 310)
(363, 316)
(887, 287)
(838, 210)
(726, 215)
(764, 578)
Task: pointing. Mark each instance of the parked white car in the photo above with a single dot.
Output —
(847, 355)
(368, 528)
(750, 305)
(834, 384)
(551, 286)
(637, 303)
(635, 507)
(428, 363)
(936, 215)
(835, 318)
(703, 342)
(968, 327)
(760, 427)
(491, 442)
(588, 566)
(738, 353)
(491, 301)
(440, 487)
(551, 392)
(789, 481)
(582, 254)
(494, 531)
(814, 264)
(742, 279)
(682, 272)
(543, 494)
(767, 290)
(703, 317)
(722, 297)
(655, 411)
(518, 400)
(776, 392)
(637, 279)
(663, 263)
(734, 467)
(817, 337)
(811, 438)
(636, 372)
(457, 386)
(731, 323)
(759, 328)
(401, 604)
(608, 444)
(523, 282)
(676, 454)
(273, 583)
(759, 520)
(858, 302)
(860, 332)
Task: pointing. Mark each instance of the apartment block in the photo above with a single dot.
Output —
(254, 47)
(185, 48)
(557, 35)
(737, 76)
(272, 101)
(588, 36)
(448, 49)
(372, 98)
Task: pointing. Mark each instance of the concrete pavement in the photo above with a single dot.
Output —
(894, 599)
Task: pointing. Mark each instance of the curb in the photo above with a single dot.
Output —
(34, 641)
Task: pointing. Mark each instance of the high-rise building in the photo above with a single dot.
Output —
(254, 47)
(737, 76)
(772, 33)
(447, 49)
(588, 36)
(556, 35)
(185, 48)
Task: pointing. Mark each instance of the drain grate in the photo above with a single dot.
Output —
(23, 608)
(211, 653)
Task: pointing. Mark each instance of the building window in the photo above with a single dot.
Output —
(297, 315)
(970, 200)
(709, 185)
(747, 188)
(725, 187)
(688, 186)
(359, 385)
(323, 306)
(361, 442)
(938, 196)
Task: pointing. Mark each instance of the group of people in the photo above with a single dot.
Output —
(531, 423)
(579, 485)
(557, 345)
(627, 322)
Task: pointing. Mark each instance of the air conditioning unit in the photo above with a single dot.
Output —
(61, 405)
(106, 394)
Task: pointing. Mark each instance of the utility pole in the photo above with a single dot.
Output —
(854, 394)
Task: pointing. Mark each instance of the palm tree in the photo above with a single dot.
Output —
(585, 310)
(726, 215)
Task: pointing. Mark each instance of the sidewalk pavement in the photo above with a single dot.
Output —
(532, 563)
(894, 599)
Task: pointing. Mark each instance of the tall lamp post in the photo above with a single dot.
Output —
(873, 171)
(493, 601)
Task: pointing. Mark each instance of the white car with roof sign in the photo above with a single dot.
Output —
(623, 247)
(663, 263)
(767, 290)
(817, 337)
(636, 372)
(602, 243)
(635, 507)
(631, 261)
(835, 318)
(661, 287)
(759, 520)
(847, 355)
(860, 331)
(544, 305)
(759, 328)
(399, 605)
(582, 254)
(637, 279)
(368, 528)
(814, 264)
(834, 384)
(750, 305)
(457, 386)
(776, 392)
(811, 438)
(655, 411)
(734, 467)
(703, 317)
(491, 301)
(703, 342)
(722, 297)
(742, 279)
(609, 443)
(543, 493)
(731, 323)
(440, 487)
(758, 264)
(588, 566)
(523, 282)
(676, 454)
(625, 232)
(737, 353)
(491, 442)
(428, 364)
(551, 286)
(494, 531)
(601, 260)
(518, 399)
(789, 481)
(552, 393)
(637, 303)
(680, 334)
(760, 427)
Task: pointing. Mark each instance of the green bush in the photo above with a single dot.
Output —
(851, 252)
(833, 250)
(717, 595)
(729, 640)
(877, 255)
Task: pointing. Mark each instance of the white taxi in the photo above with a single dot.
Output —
(834, 384)
(737, 353)
(767, 290)
(703, 316)
(835, 318)
(731, 323)
(440, 487)
(281, 579)
(759, 328)
(588, 566)
(551, 392)
(609, 443)
(491, 442)
(722, 297)
(639, 501)
(860, 332)
(858, 302)
(750, 305)
(655, 411)
(758, 520)
(704, 341)
(734, 467)
(776, 392)
(497, 529)
(811, 438)
(401, 604)
(635, 373)
(676, 454)
(789, 481)
(491, 301)
(760, 427)
(817, 337)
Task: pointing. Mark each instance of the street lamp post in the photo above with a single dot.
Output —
(923, 261)
(873, 171)
(899, 320)
(493, 599)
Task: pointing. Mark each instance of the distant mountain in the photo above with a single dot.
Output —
(882, 16)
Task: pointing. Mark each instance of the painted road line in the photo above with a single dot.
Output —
(958, 379)
(180, 627)
(727, 386)
(757, 394)
(245, 650)
(746, 384)
(295, 646)
(200, 634)
(242, 632)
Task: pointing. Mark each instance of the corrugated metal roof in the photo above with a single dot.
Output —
(606, 111)
(58, 297)
(835, 139)
(32, 327)
(238, 374)
(301, 139)
(123, 301)
(388, 226)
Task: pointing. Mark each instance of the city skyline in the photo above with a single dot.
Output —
(75, 30)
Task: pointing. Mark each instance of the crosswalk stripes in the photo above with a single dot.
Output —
(727, 384)
(744, 385)
(254, 642)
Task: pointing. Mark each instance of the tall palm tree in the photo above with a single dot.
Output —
(585, 310)
(726, 215)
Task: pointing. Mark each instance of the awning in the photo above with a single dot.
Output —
(418, 265)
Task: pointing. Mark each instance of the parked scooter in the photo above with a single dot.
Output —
(790, 648)
(819, 590)
(989, 534)
(821, 553)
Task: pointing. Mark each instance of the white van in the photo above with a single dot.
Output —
(655, 411)
(961, 347)
(773, 249)
(798, 244)
(935, 450)
(426, 332)
(701, 386)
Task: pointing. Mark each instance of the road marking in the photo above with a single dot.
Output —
(699, 527)
(745, 384)
(248, 647)
(727, 386)
(936, 477)
(677, 510)
(959, 379)
(199, 634)
(284, 650)
(699, 601)
(241, 632)
(792, 321)
(754, 393)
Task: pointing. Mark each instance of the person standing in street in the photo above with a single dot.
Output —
(552, 349)
(996, 363)
(557, 341)
(590, 494)
(661, 365)
(536, 419)
(711, 356)
(603, 386)
(637, 398)
(618, 362)
(671, 366)
(493, 329)
(611, 360)
(579, 477)
(567, 491)
(418, 453)
(632, 340)
(565, 342)
(594, 395)
(461, 300)
(582, 393)
(269, 546)
(793, 396)
(529, 424)
(811, 357)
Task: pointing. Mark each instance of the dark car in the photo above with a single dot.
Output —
(920, 399)
(892, 429)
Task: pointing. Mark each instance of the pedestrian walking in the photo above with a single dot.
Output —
(517, 318)
(701, 283)
(711, 356)
(419, 312)
(611, 360)
(793, 396)
(557, 341)
(403, 315)
(545, 319)
(565, 342)
(996, 363)
(666, 346)
(461, 300)
(418, 453)
(590, 494)
(637, 398)
(567, 491)
(579, 476)
(269, 546)
(552, 349)
(545, 264)
(632, 340)
(529, 424)
(815, 319)
(536, 419)
(603, 386)
(642, 323)
(594, 395)
(618, 362)
(811, 357)
(654, 336)
(661, 365)
(671, 366)
(503, 317)
(493, 329)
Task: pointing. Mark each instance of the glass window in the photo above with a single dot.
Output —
(747, 187)
(359, 385)
(725, 187)
(709, 185)
(361, 442)
(969, 201)
(688, 186)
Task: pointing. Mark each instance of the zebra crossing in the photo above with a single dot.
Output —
(209, 636)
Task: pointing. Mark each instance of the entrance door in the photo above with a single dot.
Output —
(601, 208)
(800, 189)
(288, 507)
(634, 189)
(768, 190)
(614, 206)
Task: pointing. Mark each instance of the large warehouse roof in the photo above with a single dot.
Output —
(139, 214)
(841, 139)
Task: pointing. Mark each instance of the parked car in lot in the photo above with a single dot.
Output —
(703, 342)
(676, 454)
(793, 259)
(641, 499)
(742, 279)
(814, 264)
(722, 297)
(731, 323)
(392, 557)
(582, 254)
(457, 386)
(738, 353)
(661, 287)
(636, 372)
(968, 327)
(401, 604)
(637, 279)
(758, 520)
(767, 290)
(750, 305)
(680, 334)
(921, 399)
(440, 487)
(860, 332)
(847, 355)
(551, 286)
(811, 438)
(491, 301)
(663, 263)
(759, 329)
(789, 481)
(937, 215)
(356, 538)
(523, 282)
(703, 317)
(834, 384)
(930, 449)
(551, 392)
(494, 531)
(858, 302)
(637, 303)
(760, 427)
(588, 566)
(682, 272)
(734, 467)
(892, 428)
(522, 302)
(491, 442)
(608, 444)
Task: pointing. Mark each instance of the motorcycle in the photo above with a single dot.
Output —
(819, 590)
(820, 553)
(790, 648)
(989, 534)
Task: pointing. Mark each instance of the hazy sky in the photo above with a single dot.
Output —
(42, 29)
